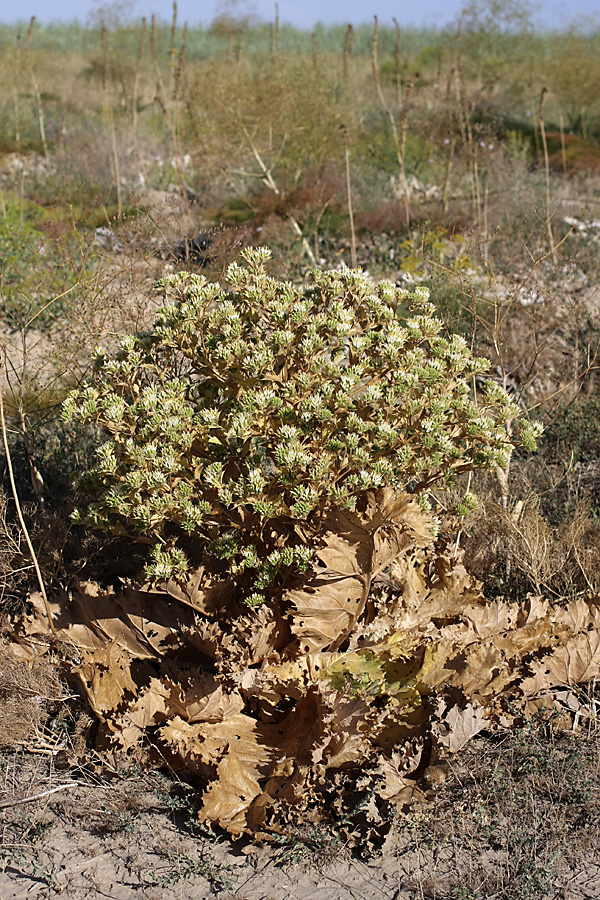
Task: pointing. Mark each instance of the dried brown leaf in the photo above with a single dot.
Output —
(325, 608)
(346, 549)
(265, 633)
(530, 638)
(348, 731)
(579, 615)
(398, 525)
(355, 546)
(484, 673)
(145, 624)
(206, 594)
(390, 523)
(295, 736)
(576, 662)
(394, 769)
(459, 726)
(107, 679)
(240, 753)
(157, 702)
(485, 621)
(227, 800)
(205, 700)
(208, 742)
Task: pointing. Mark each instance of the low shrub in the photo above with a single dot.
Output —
(247, 413)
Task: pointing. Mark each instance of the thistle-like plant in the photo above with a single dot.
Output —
(247, 411)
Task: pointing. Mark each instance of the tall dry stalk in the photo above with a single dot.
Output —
(536, 135)
(445, 201)
(134, 99)
(563, 144)
(471, 144)
(272, 43)
(22, 195)
(399, 129)
(466, 126)
(110, 119)
(173, 29)
(16, 82)
(353, 256)
(36, 87)
(175, 119)
(398, 64)
(160, 95)
(452, 145)
(348, 54)
(175, 66)
(485, 220)
(553, 250)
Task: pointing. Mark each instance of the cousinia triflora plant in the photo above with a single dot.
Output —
(250, 409)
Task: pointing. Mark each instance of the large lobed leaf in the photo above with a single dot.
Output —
(344, 695)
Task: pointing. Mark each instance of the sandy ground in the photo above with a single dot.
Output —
(127, 836)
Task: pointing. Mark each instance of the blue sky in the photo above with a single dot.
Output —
(302, 13)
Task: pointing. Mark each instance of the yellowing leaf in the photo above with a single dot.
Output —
(356, 670)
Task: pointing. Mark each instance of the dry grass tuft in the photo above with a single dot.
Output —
(521, 550)
(26, 694)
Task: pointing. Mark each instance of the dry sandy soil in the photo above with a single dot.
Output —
(518, 817)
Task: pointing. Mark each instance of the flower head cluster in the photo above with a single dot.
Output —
(247, 411)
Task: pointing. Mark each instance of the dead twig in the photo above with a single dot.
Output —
(5, 804)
